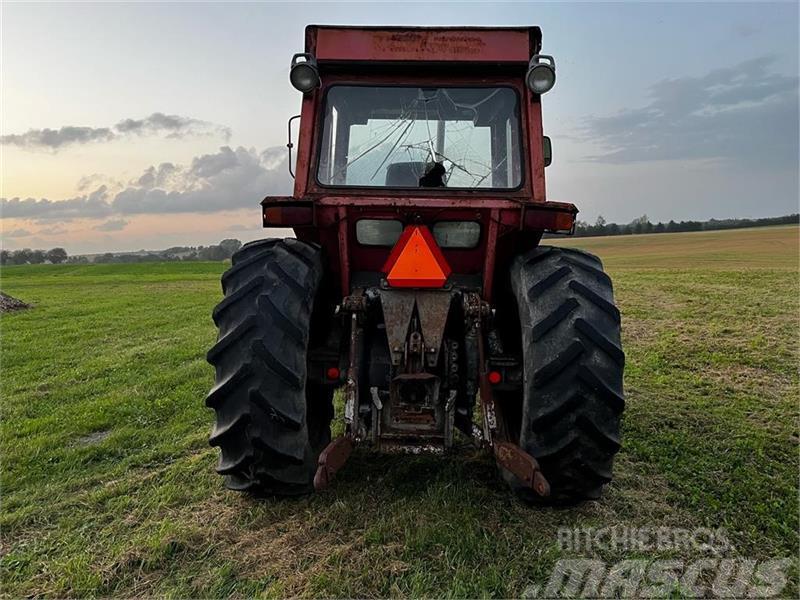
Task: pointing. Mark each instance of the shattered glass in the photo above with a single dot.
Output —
(385, 136)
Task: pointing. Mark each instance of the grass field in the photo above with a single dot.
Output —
(108, 486)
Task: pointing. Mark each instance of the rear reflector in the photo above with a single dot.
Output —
(287, 216)
(416, 260)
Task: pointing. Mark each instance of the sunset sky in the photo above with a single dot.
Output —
(152, 125)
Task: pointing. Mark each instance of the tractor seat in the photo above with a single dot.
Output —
(404, 174)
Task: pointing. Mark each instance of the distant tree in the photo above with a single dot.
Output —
(212, 253)
(638, 224)
(108, 257)
(230, 246)
(5, 257)
(56, 255)
(21, 257)
(78, 260)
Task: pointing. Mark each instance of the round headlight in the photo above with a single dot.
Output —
(541, 76)
(304, 76)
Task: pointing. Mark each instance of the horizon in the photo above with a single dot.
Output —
(739, 225)
(168, 123)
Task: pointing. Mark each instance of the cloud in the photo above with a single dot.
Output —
(157, 124)
(229, 179)
(153, 177)
(174, 126)
(111, 225)
(240, 227)
(93, 205)
(54, 139)
(17, 233)
(95, 180)
(742, 113)
(55, 230)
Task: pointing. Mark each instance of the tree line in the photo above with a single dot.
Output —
(643, 225)
(26, 256)
(222, 251)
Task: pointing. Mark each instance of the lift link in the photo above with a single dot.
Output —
(331, 459)
(508, 455)
(336, 453)
(524, 467)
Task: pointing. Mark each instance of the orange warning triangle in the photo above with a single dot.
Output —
(416, 260)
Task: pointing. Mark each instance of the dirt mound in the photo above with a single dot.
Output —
(7, 303)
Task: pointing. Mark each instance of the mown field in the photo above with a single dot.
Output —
(108, 486)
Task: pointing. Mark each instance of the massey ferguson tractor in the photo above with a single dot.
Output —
(415, 283)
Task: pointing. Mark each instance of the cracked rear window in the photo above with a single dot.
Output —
(411, 137)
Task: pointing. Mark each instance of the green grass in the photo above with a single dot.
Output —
(108, 486)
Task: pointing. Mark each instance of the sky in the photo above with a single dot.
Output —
(130, 126)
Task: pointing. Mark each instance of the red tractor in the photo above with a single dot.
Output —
(416, 282)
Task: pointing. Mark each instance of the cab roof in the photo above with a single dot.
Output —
(499, 45)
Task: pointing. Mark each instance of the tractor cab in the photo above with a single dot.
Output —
(437, 127)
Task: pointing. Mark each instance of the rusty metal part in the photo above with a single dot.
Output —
(522, 465)
(343, 241)
(351, 400)
(398, 307)
(491, 253)
(449, 418)
(415, 414)
(331, 459)
(414, 391)
(376, 408)
(336, 44)
(475, 310)
(354, 303)
(477, 436)
(494, 343)
(415, 343)
(433, 307)
(411, 444)
(472, 305)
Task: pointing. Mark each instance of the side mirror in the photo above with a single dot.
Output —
(547, 150)
(290, 144)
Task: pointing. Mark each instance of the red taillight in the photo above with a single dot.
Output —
(416, 260)
(494, 377)
(332, 373)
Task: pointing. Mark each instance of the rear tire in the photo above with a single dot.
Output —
(572, 398)
(270, 423)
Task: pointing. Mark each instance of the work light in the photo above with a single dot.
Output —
(541, 76)
(304, 75)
